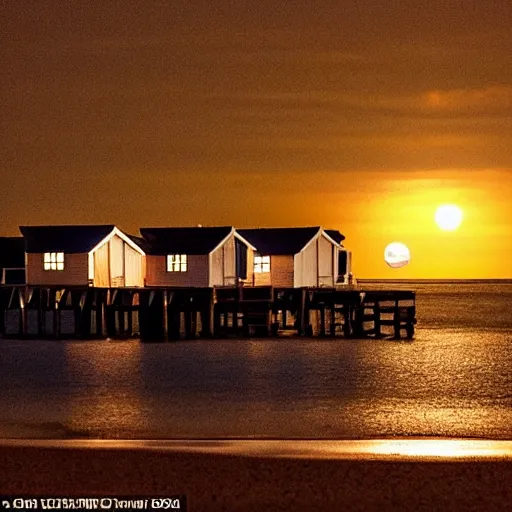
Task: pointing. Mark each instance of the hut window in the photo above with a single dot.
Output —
(261, 264)
(54, 261)
(176, 263)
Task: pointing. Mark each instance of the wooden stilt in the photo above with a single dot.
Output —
(173, 323)
(322, 320)
(376, 316)
(129, 322)
(110, 321)
(396, 321)
(332, 323)
(23, 313)
(39, 311)
(303, 313)
(121, 320)
(56, 315)
(166, 299)
(358, 330)
(216, 320)
(206, 331)
(188, 325)
(100, 314)
(347, 320)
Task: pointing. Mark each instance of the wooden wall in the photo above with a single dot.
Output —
(134, 267)
(228, 250)
(223, 266)
(102, 267)
(75, 270)
(280, 275)
(117, 264)
(216, 272)
(223, 269)
(116, 261)
(250, 267)
(305, 266)
(196, 275)
(317, 264)
(325, 262)
(281, 270)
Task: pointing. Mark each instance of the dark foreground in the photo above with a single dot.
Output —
(224, 480)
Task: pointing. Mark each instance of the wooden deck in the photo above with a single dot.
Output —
(165, 314)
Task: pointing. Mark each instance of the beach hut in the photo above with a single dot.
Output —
(12, 260)
(100, 256)
(197, 257)
(297, 257)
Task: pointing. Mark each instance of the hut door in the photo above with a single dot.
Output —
(116, 262)
(342, 266)
(241, 259)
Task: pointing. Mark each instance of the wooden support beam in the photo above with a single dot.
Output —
(121, 324)
(377, 319)
(206, 321)
(110, 321)
(174, 323)
(332, 324)
(166, 303)
(56, 314)
(129, 320)
(188, 325)
(23, 313)
(397, 320)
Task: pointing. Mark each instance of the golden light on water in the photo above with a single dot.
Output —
(449, 217)
(398, 449)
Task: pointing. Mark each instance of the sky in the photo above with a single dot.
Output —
(357, 116)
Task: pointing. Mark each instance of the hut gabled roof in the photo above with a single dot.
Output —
(279, 241)
(335, 235)
(68, 239)
(192, 240)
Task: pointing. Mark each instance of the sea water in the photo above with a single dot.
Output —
(454, 379)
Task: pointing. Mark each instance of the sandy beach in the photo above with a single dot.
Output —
(268, 475)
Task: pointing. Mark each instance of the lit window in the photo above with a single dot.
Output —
(176, 263)
(54, 261)
(261, 264)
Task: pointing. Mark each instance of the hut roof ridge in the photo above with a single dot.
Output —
(195, 240)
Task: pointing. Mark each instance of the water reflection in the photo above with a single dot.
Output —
(104, 391)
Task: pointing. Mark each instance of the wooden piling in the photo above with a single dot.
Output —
(129, 322)
(110, 321)
(397, 321)
(56, 315)
(100, 314)
(173, 324)
(206, 322)
(23, 312)
(322, 320)
(377, 319)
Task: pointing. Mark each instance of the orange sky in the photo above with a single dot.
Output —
(345, 114)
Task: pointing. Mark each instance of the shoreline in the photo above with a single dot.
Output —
(260, 475)
(401, 448)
